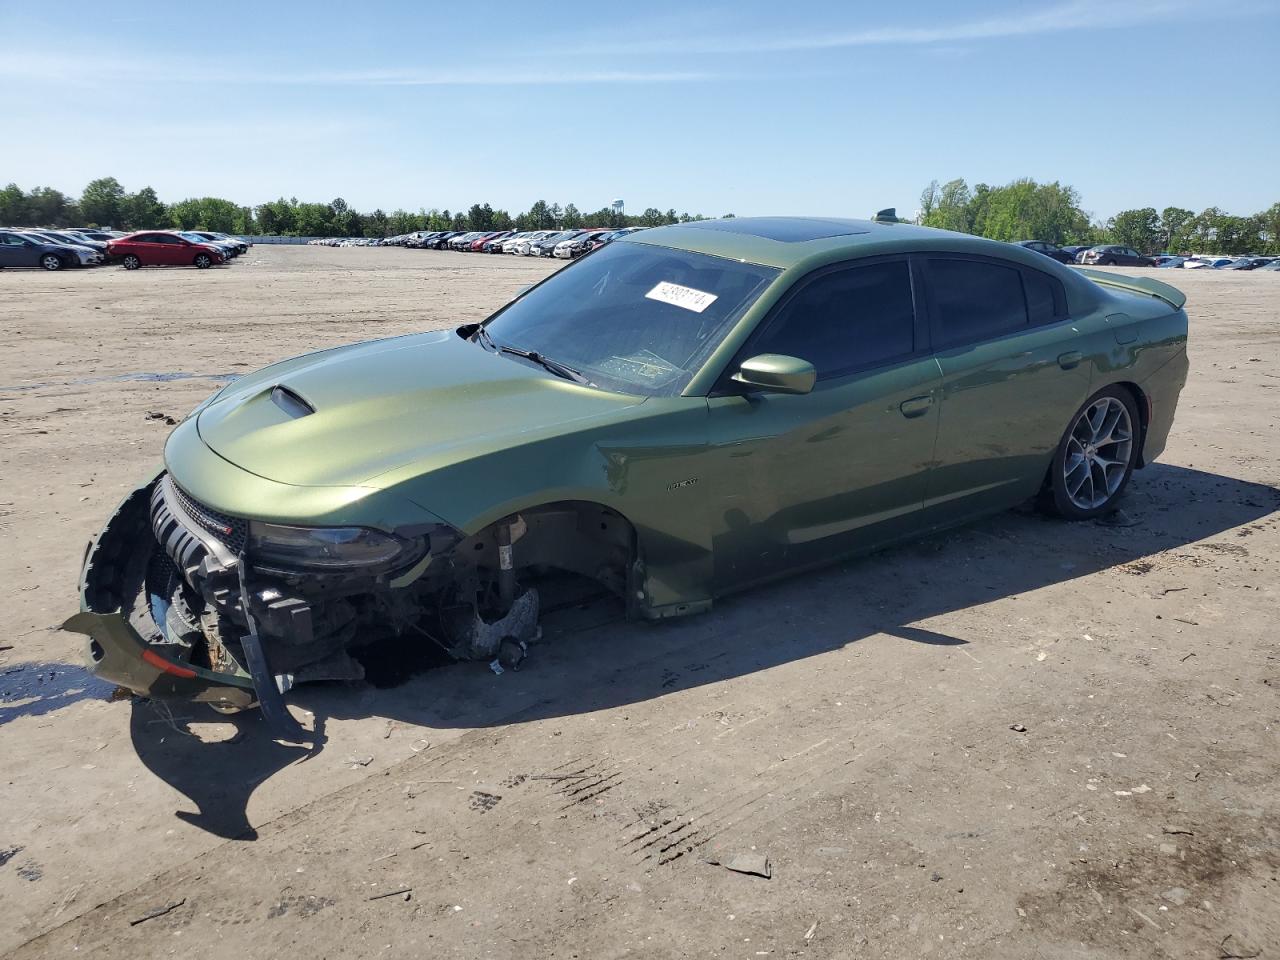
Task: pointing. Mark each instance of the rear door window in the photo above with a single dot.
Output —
(974, 300)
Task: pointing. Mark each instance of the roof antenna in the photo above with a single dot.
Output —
(887, 215)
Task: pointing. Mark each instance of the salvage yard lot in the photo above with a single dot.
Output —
(1021, 738)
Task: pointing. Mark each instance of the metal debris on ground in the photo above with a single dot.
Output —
(1233, 948)
(752, 864)
(1017, 728)
(808, 934)
(359, 761)
(403, 891)
(158, 912)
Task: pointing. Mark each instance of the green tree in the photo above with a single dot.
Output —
(1174, 222)
(143, 211)
(49, 207)
(949, 207)
(185, 214)
(480, 217)
(13, 206)
(539, 217)
(1139, 229)
(571, 219)
(100, 202)
(1269, 230)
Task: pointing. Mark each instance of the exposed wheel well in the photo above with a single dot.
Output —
(1143, 403)
(577, 536)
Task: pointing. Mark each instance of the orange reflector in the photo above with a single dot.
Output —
(160, 663)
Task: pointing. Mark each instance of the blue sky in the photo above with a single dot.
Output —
(835, 108)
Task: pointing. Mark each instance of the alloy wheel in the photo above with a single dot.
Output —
(1099, 448)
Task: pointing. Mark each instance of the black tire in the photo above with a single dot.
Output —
(1108, 263)
(51, 261)
(203, 261)
(1057, 496)
(130, 261)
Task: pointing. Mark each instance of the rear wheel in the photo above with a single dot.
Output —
(131, 262)
(1095, 457)
(51, 261)
(1108, 263)
(202, 261)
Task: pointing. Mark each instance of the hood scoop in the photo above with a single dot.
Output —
(291, 403)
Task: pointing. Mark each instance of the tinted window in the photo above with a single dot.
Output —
(975, 300)
(845, 320)
(1040, 300)
(634, 317)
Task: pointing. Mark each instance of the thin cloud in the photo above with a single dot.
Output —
(1075, 15)
(50, 68)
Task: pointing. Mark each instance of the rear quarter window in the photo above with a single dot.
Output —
(975, 300)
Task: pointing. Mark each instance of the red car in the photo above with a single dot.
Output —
(162, 249)
(478, 245)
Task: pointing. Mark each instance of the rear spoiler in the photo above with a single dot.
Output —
(1141, 285)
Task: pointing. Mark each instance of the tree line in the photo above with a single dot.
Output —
(105, 203)
(1027, 210)
(1021, 210)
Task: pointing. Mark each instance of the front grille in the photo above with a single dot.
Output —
(231, 531)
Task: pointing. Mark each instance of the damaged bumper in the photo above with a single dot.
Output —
(176, 604)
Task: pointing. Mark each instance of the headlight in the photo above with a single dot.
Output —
(329, 548)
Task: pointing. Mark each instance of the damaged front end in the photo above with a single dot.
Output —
(181, 600)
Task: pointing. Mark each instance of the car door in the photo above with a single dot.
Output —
(170, 250)
(802, 479)
(14, 252)
(1012, 378)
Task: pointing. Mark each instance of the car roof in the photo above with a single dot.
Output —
(788, 241)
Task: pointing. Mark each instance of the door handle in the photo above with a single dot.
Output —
(1070, 360)
(916, 406)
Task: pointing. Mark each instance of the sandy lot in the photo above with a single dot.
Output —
(862, 727)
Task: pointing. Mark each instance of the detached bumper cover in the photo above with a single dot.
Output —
(124, 645)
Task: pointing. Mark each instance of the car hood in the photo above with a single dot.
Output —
(429, 399)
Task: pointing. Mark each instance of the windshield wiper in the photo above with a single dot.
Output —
(554, 366)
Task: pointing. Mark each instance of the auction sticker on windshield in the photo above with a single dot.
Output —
(678, 296)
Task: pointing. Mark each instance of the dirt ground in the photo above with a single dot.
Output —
(1022, 739)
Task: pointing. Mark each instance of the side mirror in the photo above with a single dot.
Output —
(775, 373)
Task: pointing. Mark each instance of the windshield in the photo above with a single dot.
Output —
(194, 237)
(633, 317)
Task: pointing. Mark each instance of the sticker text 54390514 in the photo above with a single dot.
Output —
(678, 296)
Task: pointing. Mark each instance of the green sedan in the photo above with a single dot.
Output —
(687, 411)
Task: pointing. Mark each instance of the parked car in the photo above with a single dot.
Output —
(494, 243)
(577, 245)
(1272, 267)
(1206, 263)
(1075, 250)
(592, 426)
(232, 248)
(157, 248)
(546, 246)
(1049, 250)
(477, 245)
(1170, 263)
(70, 239)
(519, 244)
(18, 249)
(1246, 263)
(1114, 255)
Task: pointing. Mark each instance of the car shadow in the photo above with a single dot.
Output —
(591, 659)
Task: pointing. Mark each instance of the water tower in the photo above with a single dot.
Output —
(618, 207)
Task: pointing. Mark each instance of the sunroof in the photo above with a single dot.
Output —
(782, 229)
